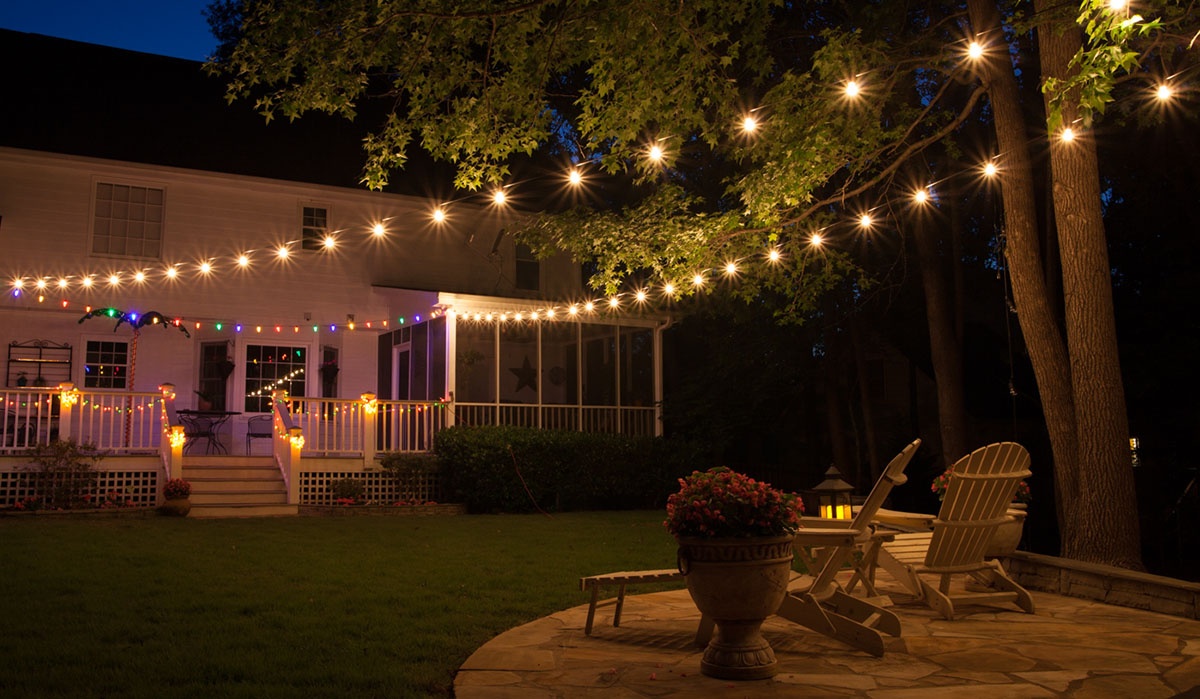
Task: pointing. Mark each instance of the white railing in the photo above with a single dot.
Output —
(632, 421)
(365, 427)
(117, 422)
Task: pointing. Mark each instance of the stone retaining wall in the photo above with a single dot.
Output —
(1117, 586)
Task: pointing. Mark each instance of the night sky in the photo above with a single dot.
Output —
(166, 27)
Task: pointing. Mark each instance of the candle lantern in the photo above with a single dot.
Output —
(833, 496)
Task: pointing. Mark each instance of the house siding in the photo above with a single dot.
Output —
(46, 204)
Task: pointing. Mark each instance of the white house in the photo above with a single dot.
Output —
(123, 274)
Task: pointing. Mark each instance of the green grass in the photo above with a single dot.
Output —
(356, 606)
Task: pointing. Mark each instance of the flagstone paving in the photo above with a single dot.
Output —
(1071, 648)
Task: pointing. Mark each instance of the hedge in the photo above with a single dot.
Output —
(521, 469)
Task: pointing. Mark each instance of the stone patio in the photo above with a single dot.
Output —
(1070, 648)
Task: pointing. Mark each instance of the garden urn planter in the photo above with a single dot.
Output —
(177, 507)
(738, 583)
(1008, 534)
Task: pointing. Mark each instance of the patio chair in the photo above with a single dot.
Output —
(975, 503)
(196, 429)
(817, 602)
(259, 427)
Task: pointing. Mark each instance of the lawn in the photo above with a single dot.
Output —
(356, 606)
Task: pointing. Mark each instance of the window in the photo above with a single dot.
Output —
(106, 364)
(314, 226)
(529, 270)
(128, 221)
(272, 368)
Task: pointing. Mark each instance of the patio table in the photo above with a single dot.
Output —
(205, 425)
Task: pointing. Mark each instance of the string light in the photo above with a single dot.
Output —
(1067, 135)
(574, 177)
(114, 280)
(655, 154)
(865, 221)
(669, 289)
(921, 196)
(87, 282)
(377, 230)
(749, 124)
(139, 277)
(773, 255)
(330, 242)
(731, 268)
(816, 240)
(282, 252)
(499, 197)
(438, 215)
(698, 280)
(171, 272)
(1164, 92)
(206, 268)
(975, 50)
(853, 89)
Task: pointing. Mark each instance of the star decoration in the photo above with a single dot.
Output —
(526, 376)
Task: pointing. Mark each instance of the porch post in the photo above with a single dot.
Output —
(295, 444)
(170, 445)
(370, 407)
(67, 398)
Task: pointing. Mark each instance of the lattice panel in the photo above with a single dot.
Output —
(315, 487)
(139, 487)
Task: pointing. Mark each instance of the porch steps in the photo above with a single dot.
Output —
(236, 486)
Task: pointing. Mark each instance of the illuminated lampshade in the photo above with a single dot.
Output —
(833, 496)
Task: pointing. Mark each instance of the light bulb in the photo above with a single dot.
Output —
(853, 89)
(439, 215)
(975, 50)
(499, 197)
(749, 124)
(574, 177)
(655, 153)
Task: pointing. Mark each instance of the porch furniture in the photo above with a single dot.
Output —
(204, 425)
(818, 602)
(259, 427)
(976, 502)
(621, 580)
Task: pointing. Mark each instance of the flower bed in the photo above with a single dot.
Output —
(423, 510)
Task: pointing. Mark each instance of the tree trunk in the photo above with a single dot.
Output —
(1107, 496)
(1047, 351)
(945, 349)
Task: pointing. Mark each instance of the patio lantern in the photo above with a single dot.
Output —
(833, 496)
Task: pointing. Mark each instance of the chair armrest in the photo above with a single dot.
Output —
(812, 536)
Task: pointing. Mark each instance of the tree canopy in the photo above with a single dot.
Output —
(782, 144)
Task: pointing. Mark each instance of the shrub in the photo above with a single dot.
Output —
(347, 491)
(412, 473)
(63, 473)
(520, 469)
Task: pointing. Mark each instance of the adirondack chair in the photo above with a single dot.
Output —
(975, 503)
(817, 602)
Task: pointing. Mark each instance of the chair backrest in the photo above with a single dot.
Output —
(977, 497)
(892, 476)
(260, 424)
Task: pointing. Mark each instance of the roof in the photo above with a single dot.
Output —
(75, 98)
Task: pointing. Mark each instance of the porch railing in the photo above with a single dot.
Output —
(632, 421)
(117, 422)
